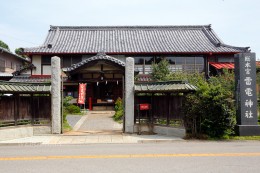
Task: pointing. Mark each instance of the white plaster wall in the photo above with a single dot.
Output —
(37, 61)
(46, 70)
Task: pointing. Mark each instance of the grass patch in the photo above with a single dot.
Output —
(224, 138)
(66, 127)
(81, 113)
(244, 138)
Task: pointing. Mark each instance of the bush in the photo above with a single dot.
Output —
(210, 111)
(66, 101)
(119, 111)
(73, 109)
(118, 115)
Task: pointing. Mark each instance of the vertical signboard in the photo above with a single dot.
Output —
(246, 98)
(82, 93)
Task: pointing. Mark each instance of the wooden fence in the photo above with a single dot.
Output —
(166, 109)
(20, 109)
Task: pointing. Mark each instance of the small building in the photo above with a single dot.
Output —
(9, 63)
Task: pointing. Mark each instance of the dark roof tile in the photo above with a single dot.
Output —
(133, 39)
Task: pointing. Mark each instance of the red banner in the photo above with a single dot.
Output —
(82, 93)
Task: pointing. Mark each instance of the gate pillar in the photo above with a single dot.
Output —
(129, 95)
(56, 95)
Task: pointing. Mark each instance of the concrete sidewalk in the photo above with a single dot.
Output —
(92, 139)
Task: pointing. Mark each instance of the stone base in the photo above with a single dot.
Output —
(248, 130)
(161, 130)
(8, 133)
(41, 130)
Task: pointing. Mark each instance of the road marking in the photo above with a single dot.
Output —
(131, 156)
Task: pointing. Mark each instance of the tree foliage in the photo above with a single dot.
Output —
(210, 111)
(18, 51)
(161, 71)
(4, 45)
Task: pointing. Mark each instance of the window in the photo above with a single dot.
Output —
(46, 60)
(143, 64)
(226, 59)
(139, 60)
(188, 64)
(68, 60)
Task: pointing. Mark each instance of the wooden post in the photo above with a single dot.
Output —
(169, 111)
(16, 112)
(32, 110)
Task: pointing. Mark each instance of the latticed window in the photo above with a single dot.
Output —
(189, 64)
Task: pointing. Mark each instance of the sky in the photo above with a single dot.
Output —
(25, 23)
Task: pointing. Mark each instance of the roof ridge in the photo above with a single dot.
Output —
(245, 49)
(212, 36)
(129, 27)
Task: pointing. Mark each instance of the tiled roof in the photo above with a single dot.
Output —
(5, 74)
(10, 53)
(164, 87)
(11, 87)
(31, 79)
(99, 56)
(132, 39)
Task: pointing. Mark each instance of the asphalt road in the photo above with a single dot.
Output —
(179, 156)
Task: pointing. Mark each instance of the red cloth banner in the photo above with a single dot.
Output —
(82, 93)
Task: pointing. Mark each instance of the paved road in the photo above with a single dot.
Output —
(180, 156)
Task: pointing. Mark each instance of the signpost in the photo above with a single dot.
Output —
(246, 98)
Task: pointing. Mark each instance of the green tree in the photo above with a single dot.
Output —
(161, 71)
(18, 51)
(210, 111)
(4, 45)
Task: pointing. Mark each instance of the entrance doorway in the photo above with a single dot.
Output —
(104, 95)
(104, 76)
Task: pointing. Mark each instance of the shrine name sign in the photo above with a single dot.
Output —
(246, 97)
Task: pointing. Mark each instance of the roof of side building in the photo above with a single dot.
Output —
(10, 53)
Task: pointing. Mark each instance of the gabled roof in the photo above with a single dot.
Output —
(164, 87)
(132, 39)
(99, 56)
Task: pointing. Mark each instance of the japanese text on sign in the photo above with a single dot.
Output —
(82, 93)
(248, 82)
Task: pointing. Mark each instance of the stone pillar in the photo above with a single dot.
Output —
(129, 95)
(56, 95)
